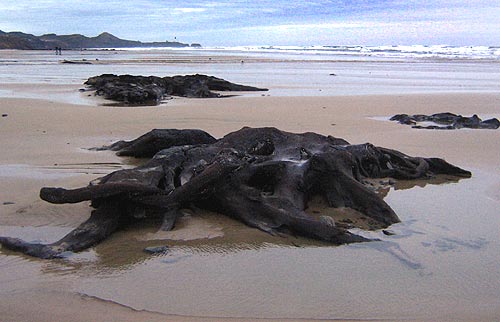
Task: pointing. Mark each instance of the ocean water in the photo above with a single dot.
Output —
(361, 52)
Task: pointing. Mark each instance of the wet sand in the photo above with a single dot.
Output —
(441, 265)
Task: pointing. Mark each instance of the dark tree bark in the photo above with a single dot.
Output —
(446, 121)
(156, 140)
(152, 89)
(102, 222)
(263, 177)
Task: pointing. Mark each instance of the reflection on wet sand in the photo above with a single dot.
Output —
(57, 170)
(435, 180)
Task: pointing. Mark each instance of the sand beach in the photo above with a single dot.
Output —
(441, 264)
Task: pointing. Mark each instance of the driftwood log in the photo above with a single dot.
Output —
(263, 177)
(446, 121)
(151, 90)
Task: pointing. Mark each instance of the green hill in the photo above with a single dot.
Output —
(19, 40)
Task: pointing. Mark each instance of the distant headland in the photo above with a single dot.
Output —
(19, 40)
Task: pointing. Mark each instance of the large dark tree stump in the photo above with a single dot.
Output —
(263, 177)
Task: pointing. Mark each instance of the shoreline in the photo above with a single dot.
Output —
(71, 94)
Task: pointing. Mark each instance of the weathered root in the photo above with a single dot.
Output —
(170, 216)
(262, 177)
(61, 195)
(149, 144)
(333, 173)
(102, 223)
(274, 215)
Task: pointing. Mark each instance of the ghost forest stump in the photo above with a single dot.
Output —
(150, 90)
(262, 177)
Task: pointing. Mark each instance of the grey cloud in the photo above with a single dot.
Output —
(257, 21)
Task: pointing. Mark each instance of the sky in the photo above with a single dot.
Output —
(265, 22)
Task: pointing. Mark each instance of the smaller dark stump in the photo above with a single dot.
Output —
(446, 121)
(150, 90)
